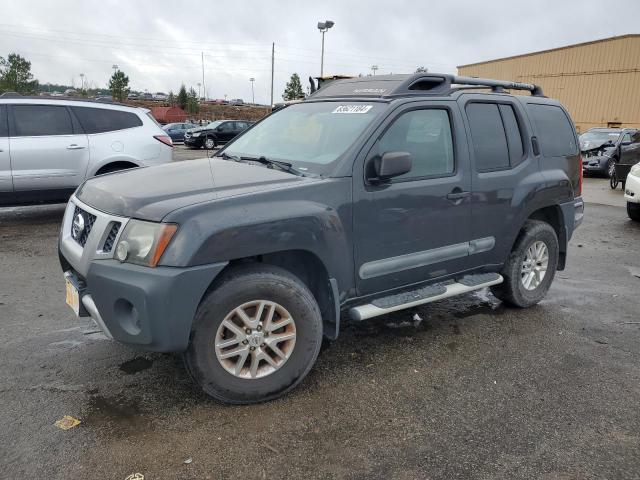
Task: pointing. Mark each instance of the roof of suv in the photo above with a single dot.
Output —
(17, 98)
(420, 84)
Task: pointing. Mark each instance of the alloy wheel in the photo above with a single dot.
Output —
(534, 266)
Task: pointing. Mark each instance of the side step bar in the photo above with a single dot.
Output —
(400, 301)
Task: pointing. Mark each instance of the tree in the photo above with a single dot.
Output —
(293, 90)
(119, 86)
(192, 102)
(182, 97)
(16, 76)
(171, 99)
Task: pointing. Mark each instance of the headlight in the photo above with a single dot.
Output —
(635, 170)
(195, 134)
(143, 243)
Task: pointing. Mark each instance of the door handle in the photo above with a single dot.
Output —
(73, 146)
(457, 195)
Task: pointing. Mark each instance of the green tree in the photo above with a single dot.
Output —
(182, 97)
(16, 76)
(192, 102)
(293, 90)
(119, 86)
(171, 99)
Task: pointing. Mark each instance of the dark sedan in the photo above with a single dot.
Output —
(214, 134)
(177, 130)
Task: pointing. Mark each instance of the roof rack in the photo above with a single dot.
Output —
(390, 86)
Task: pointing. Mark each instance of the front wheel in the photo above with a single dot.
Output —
(633, 210)
(531, 266)
(209, 143)
(256, 335)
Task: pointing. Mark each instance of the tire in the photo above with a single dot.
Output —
(238, 288)
(209, 143)
(613, 181)
(512, 290)
(633, 210)
(610, 168)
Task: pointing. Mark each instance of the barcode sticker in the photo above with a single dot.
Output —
(353, 109)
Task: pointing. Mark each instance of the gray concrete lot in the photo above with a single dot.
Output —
(463, 388)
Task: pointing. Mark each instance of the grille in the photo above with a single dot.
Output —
(111, 238)
(82, 235)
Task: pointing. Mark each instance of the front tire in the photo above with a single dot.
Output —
(256, 335)
(209, 143)
(633, 210)
(531, 266)
(611, 168)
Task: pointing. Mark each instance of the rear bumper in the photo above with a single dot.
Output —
(152, 308)
(632, 189)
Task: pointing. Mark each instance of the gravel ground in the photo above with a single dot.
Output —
(462, 388)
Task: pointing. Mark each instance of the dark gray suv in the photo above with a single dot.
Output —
(374, 195)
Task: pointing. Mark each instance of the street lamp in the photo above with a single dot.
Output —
(115, 68)
(323, 27)
(253, 98)
(374, 68)
(199, 97)
(82, 80)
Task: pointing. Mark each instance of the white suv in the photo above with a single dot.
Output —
(48, 147)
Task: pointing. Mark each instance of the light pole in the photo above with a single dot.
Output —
(115, 68)
(323, 27)
(374, 68)
(199, 97)
(253, 97)
(82, 80)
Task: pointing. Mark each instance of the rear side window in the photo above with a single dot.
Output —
(488, 136)
(100, 120)
(4, 130)
(555, 133)
(40, 120)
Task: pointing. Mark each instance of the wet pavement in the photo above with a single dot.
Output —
(462, 388)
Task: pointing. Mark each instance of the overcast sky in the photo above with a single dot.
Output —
(159, 44)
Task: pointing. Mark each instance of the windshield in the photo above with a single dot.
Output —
(214, 124)
(311, 136)
(600, 136)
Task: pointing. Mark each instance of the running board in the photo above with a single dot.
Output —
(400, 301)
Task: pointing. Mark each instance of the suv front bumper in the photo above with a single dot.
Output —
(152, 308)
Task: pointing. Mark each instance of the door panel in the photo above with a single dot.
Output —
(417, 227)
(6, 184)
(46, 152)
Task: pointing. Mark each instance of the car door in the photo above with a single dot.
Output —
(630, 149)
(6, 183)
(226, 131)
(415, 227)
(48, 149)
(503, 172)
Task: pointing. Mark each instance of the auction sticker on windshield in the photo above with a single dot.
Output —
(353, 109)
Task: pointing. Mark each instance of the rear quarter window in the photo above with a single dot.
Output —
(555, 132)
(100, 120)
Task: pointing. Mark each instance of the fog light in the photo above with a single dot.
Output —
(122, 250)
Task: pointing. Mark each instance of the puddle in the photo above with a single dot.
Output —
(136, 365)
(119, 411)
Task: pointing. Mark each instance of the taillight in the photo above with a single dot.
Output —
(578, 191)
(164, 139)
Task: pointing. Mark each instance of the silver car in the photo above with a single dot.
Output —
(48, 147)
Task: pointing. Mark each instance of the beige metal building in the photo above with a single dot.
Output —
(598, 82)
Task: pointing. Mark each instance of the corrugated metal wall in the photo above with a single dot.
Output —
(598, 82)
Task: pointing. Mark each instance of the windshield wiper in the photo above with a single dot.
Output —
(282, 165)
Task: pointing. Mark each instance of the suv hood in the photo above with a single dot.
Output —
(150, 193)
(198, 129)
(592, 145)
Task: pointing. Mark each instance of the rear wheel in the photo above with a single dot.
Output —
(256, 335)
(613, 180)
(531, 266)
(633, 210)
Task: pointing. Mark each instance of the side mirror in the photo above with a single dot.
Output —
(390, 165)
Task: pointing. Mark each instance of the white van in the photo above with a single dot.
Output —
(48, 147)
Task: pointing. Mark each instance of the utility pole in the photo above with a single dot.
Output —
(374, 68)
(82, 80)
(253, 96)
(198, 91)
(323, 27)
(273, 54)
(204, 89)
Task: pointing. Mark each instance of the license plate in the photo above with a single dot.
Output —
(73, 299)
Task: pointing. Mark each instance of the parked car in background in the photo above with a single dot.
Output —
(147, 96)
(50, 146)
(133, 96)
(214, 134)
(236, 101)
(601, 149)
(375, 195)
(176, 130)
(632, 192)
(160, 97)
